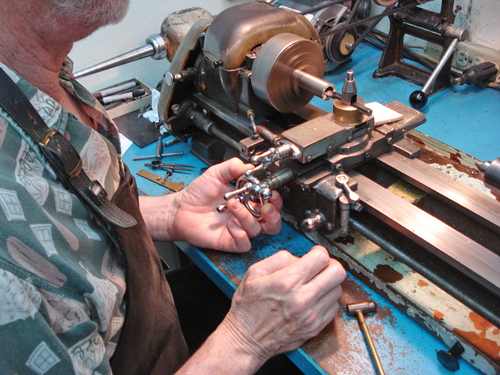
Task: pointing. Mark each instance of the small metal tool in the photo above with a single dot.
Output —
(167, 175)
(359, 309)
(171, 142)
(157, 164)
(162, 155)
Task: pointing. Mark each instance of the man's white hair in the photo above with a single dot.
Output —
(93, 12)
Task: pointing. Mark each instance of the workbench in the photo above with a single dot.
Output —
(465, 117)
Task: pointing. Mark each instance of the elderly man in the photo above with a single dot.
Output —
(82, 291)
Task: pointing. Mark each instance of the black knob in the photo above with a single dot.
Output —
(418, 99)
(450, 359)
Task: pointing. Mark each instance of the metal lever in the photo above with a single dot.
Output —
(342, 180)
(346, 201)
(418, 99)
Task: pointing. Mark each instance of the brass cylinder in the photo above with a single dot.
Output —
(346, 114)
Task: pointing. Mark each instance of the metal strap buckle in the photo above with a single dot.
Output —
(55, 159)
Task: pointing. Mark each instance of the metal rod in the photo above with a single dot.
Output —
(136, 54)
(154, 156)
(432, 78)
(452, 288)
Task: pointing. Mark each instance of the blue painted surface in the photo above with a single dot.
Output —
(452, 118)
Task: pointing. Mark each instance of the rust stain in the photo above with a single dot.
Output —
(422, 283)
(387, 273)
(438, 315)
(433, 294)
(415, 139)
(490, 348)
(430, 156)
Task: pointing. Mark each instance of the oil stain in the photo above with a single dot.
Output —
(387, 273)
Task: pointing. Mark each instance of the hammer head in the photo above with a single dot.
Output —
(364, 307)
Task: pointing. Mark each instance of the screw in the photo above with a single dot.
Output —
(176, 109)
(330, 148)
(338, 167)
(367, 154)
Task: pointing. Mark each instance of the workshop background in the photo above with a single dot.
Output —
(465, 117)
(146, 16)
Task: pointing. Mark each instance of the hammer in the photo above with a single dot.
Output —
(359, 309)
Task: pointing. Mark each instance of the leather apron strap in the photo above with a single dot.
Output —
(151, 340)
(60, 153)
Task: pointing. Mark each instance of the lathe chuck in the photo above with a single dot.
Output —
(287, 72)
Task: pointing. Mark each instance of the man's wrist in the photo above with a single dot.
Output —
(159, 214)
(224, 353)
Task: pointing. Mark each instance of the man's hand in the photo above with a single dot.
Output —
(191, 214)
(283, 301)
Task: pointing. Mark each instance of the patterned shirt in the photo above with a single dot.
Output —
(61, 278)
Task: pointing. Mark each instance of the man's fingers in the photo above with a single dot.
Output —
(271, 217)
(230, 169)
(276, 200)
(327, 279)
(240, 241)
(311, 264)
(272, 264)
(245, 218)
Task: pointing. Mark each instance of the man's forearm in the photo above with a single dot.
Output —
(159, 214)
(222, 354)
